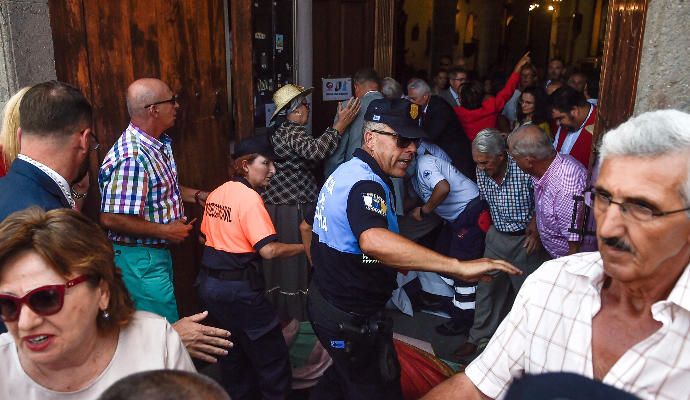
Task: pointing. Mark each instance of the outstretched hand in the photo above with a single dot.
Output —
(203, 342)
(478, 270)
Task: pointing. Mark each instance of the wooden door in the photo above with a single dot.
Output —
(102, 46)
(343, 32)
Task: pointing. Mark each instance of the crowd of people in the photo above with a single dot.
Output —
(456, 195)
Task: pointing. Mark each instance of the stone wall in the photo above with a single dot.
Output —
(664, 80)
(26, 45)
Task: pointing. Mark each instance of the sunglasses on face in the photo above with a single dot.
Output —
(170, 100)
(44, 300)
(401, 142)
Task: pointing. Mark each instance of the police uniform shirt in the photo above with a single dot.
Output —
(432, 170)
(354, 282)
(236, 225)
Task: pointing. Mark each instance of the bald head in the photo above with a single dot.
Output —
(530, 141)
(142, 92)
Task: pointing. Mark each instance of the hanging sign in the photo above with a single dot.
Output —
(336, 89)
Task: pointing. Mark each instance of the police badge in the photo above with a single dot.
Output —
(414, 111)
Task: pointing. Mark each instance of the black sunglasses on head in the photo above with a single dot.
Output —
(170, 100)
(400, 141)
(44, 300)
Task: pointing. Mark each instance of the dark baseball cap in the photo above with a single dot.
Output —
(258, 144)
(400, 114)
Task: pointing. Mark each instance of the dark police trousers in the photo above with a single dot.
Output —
(258, 366)
(365, 366)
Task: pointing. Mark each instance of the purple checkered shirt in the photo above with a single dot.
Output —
(553, 194)
(139, 177)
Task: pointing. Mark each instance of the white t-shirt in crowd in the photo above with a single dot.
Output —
(432, 170)
(433, 149)
(147, 343)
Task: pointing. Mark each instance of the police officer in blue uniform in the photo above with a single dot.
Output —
(356, 251)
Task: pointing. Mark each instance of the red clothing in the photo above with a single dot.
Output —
(473, 121)
(3, 167)
(582, 148)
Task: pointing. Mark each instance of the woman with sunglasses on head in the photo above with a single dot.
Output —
(293, 189)
(239, 233)
(72, 328)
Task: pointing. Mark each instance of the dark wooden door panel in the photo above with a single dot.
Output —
(102, 46)
(343, 43)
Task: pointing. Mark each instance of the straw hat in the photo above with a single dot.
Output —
(283, 96)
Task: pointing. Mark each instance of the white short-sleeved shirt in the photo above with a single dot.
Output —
(433, 149)
(549, 329)
(147, 343)
(432, 170)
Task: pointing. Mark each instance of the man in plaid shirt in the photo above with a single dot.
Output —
(620, 315)
(512, 237)
(142, 208)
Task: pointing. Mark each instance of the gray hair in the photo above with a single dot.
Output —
(489, 141)
(419, 86)
(295, 103)
(651, 134)
(526, 144)
(391, 89)
(371, 125)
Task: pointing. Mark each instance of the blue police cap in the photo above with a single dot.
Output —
(400, 114)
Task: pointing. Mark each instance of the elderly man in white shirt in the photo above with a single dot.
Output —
(620, 315)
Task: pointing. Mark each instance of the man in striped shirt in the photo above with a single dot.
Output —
(557, 178)
(141, 203)
(512, 237)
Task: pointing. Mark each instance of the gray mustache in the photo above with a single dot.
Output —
(617, 243)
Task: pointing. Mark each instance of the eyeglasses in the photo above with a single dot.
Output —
(635, 211)
(401, 142)
(170, 100)
(94, 144)
(44, 301)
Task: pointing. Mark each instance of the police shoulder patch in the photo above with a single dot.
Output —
(375, 203)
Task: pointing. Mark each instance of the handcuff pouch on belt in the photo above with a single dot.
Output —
(375, 331)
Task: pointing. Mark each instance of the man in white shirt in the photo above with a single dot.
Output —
(455, 198)
(620, 315)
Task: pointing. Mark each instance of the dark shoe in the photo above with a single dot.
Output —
(452, 328)
(467, 349)
(430, 302)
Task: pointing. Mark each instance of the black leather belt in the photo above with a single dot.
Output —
(521, 232)
(151, 245)
(226, 275)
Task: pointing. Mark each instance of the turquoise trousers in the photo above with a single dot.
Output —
(148, 276)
